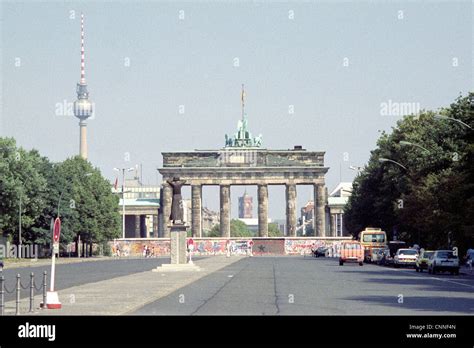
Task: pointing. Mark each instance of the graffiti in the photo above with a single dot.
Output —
(269, 246)
(304, 246)
(217, 246)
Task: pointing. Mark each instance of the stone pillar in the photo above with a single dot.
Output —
(143, 227)
(262, 210)
(137, 226)
(155, 225)
(166, 209)
(196, 199)
(291, 210)
(225, 210)
(332, 223)
(319, 210)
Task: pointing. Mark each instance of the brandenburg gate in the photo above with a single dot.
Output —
(243, 161)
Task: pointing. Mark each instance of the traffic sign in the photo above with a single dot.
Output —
(56, 230)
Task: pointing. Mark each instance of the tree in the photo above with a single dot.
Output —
(237, 229)
(20, 180)
(433, 197)
(88, 208)
(274, 231)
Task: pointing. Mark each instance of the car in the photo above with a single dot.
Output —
(443, 261)
(377, 254)
(385, 259)
(351, 252)
(320, 251)
(469, 258)
(405, 257)
(422, 260)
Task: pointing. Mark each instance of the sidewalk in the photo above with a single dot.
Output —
(11, 264)
(123, 294)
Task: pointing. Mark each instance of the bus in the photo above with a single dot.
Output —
(372, 239)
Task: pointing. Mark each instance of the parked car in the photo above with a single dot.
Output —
(384, 257)
(377, 254)
(320, 252)
(405, 257)
(422, 261)
(469, 259)
(352, 252)
(443, 261)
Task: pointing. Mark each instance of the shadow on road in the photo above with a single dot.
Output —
(431, 286)
(420, 303)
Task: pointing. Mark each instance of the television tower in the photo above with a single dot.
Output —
(82, 106)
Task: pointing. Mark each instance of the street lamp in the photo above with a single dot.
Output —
(442, 117)
(123, 196)
(407, 143)
(19, 225)
(358, 169)
(382, 160)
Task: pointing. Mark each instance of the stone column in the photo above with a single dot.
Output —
(137, 226)
(333, 224)
(262, 210)
(155, 225)
(196, 198)
(143, 227)
(291, 210)
(225, 210)
(319, 210)
(166, 209)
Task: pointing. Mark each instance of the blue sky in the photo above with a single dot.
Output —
(289, 53)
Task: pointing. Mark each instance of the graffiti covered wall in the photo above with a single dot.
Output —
(238, 246)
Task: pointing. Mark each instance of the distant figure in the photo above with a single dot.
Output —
(177, 201)
(250, 247)
(227, 248)
(190, 249)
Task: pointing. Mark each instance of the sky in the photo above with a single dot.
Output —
(166, 76)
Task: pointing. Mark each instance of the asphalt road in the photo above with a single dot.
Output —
(308, 286)
(73, 274)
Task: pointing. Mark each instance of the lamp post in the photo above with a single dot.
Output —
(382, 160)
(442, 117)
(123, 196)
(408, 143)
(19, 228)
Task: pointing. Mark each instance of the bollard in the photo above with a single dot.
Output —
(2, 296)
(18, 289)
(32, 291)
(44, 289)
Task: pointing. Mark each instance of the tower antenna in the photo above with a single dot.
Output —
(83, 65)
(242, 99)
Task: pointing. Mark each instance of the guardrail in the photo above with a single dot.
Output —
(17, 290)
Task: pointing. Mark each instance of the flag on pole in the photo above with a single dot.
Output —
(116, 183)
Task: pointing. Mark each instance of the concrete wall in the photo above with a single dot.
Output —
(216, 246)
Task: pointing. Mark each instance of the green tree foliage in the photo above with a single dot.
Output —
(237, 229)
(432, 199)
(273, 230)
(88, 208)
(20, 178)
(87, 205)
